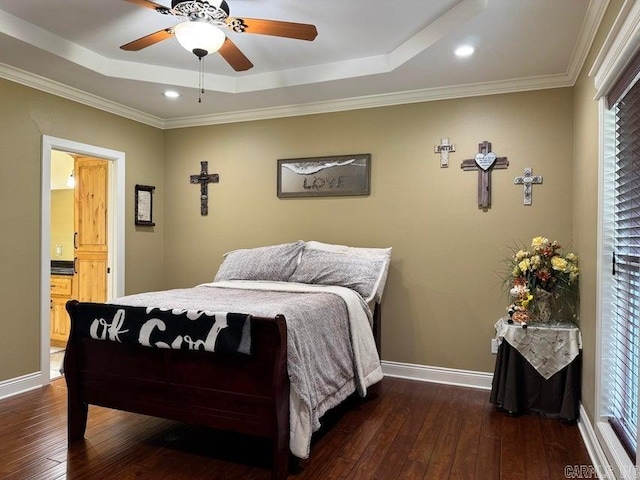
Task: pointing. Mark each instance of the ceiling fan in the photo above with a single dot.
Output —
(201, 29)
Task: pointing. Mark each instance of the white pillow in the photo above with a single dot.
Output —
(383, 254)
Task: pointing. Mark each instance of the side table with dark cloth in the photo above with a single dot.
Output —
(538, 369)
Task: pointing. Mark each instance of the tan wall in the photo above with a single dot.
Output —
(27, 115)
(585, 211)
(61, 224)
(444, 292)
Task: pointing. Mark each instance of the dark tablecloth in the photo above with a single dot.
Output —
(519, 388)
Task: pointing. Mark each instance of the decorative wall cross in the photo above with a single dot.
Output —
(444, 150)
(528, 180)
(484, 161)
(204, 179)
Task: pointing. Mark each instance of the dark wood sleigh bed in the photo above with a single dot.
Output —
(244, 394)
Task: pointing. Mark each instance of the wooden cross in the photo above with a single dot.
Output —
(443, 149)
(528, 180)
(484, 161)
(204, 179)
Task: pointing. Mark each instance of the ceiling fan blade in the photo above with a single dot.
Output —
(150, 4)
(299, 31)
(148, 40)
(234, 57)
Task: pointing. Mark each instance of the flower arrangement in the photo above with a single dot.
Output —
(541, 273)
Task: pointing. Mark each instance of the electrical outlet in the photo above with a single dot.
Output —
(494, 346)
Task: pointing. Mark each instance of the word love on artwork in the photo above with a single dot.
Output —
(319, 183)
(324, 176)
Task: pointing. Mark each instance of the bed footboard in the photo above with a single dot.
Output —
(245, 394)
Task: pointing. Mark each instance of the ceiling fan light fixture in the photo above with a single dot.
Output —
(192, 4)
(200, 38)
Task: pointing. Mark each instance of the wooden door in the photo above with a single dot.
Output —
(91, 236)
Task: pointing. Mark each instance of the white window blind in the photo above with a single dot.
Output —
(624, 324)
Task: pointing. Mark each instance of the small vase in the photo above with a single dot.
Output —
(541, 306)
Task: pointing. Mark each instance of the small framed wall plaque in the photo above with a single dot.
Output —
(144, 205)
(324, 176)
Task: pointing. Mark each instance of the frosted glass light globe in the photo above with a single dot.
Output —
(198, 37)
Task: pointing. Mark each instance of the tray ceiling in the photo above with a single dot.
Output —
(367, 53)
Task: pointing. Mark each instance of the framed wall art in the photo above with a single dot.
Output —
(324, 176)
(144, 205)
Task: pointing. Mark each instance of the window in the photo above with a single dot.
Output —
(615, 73)
(623, 319)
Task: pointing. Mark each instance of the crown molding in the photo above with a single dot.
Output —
(618, 49)
(55, 88)
(588, 32)
(595, 13)
(374, 101)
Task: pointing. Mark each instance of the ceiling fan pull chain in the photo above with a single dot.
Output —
(200, 79)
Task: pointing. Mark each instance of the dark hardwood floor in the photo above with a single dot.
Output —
(405, 430)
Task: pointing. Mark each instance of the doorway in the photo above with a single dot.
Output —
(113, 260)
(61, 250)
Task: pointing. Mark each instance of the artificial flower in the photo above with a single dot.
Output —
(538, 242)
(541, 269)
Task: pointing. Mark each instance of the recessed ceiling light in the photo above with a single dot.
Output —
(171, 94)
(464, 51)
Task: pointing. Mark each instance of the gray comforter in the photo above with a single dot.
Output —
(326, 358)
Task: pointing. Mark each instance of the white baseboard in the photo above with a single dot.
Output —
(449, 376)
(596, 453)
(17, 385)
(423, 373)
